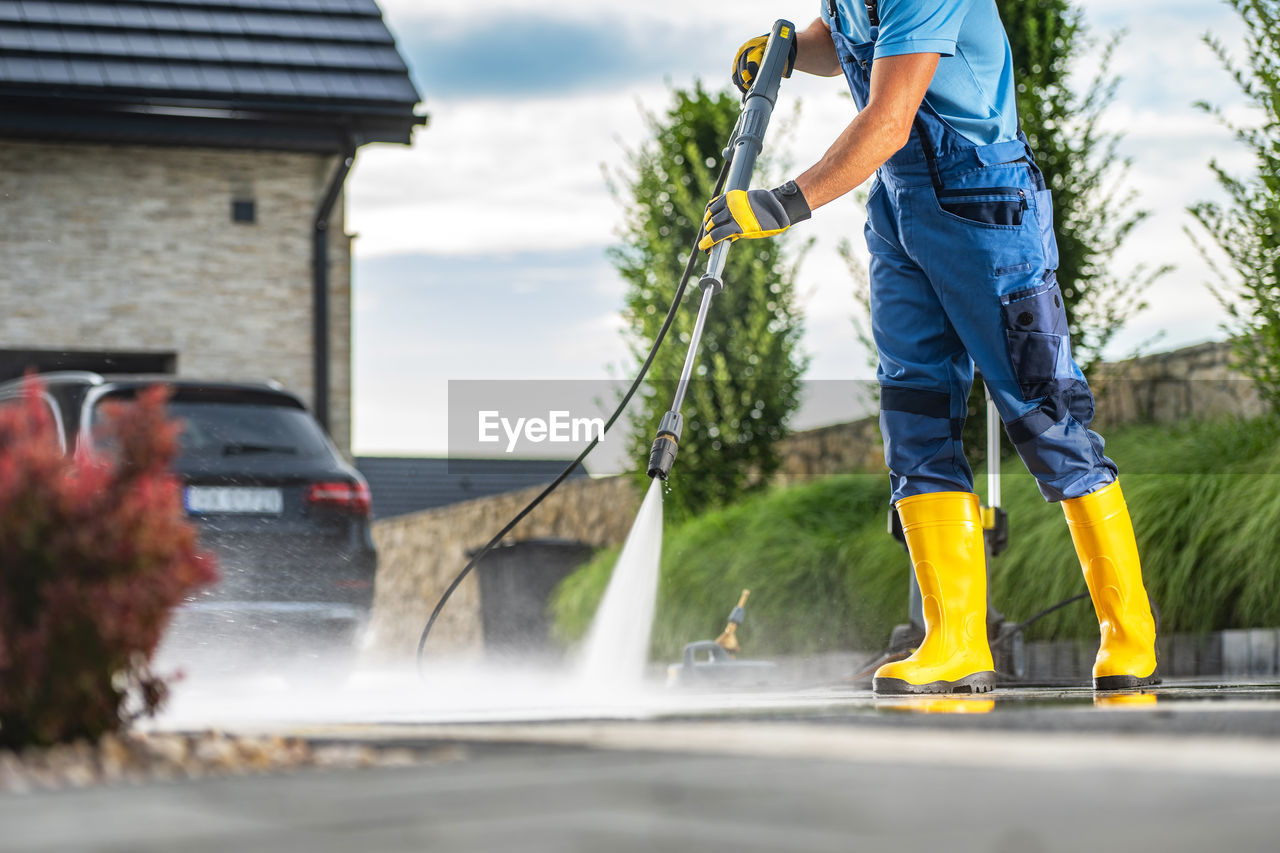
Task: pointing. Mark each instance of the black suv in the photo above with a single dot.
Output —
(286, 515)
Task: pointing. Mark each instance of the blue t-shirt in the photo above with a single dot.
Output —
(973, 86)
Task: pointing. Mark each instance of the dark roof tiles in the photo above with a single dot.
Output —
(281, 54)
(401, 485)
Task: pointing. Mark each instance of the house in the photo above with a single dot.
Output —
(171, 185)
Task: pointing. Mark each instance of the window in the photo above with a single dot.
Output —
(218, 428)
(244, 211)
(15, 362)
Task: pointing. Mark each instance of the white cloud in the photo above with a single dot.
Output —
(508, 175)
(523, 174)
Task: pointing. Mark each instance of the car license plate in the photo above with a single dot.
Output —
(245, 500)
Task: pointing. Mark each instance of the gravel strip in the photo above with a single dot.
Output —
(138, 758)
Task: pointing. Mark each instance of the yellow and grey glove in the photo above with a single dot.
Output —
(746, 64)
(753, 213)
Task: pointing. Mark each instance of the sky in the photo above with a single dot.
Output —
(481, 248)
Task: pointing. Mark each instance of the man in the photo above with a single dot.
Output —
(960, 231)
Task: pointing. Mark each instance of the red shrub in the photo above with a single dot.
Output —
(94, 555)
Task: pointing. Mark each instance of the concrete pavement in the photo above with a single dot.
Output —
(1186, 767)
(565, 799)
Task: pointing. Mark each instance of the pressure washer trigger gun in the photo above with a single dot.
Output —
(744, 147)
(728, 639)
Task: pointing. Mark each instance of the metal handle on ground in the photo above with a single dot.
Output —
(748, 140)
(993, 452)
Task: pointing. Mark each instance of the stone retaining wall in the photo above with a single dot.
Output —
(834, 449)
(1195, 382)
(419, 554)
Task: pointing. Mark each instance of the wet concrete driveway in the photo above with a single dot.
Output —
(1187, 766)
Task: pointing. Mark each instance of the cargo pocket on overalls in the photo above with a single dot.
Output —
(1035, 323)
(985, 205)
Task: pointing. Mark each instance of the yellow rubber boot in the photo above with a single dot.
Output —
(1103, 533)
(944, 535)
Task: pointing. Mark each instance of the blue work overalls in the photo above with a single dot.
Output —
(962, 273)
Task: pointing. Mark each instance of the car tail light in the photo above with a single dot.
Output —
(343, 496)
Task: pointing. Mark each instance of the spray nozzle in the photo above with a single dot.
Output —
(728, 639)
(663, 453)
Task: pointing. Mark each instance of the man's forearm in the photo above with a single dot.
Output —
(898, 85)
(869, 140)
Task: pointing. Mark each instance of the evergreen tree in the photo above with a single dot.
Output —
(1247, 227)
(747, 379)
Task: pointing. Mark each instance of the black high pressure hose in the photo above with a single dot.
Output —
(617, 413)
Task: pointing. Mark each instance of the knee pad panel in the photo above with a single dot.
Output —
(922, 440)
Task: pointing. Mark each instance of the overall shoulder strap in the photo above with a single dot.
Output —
(873, 13)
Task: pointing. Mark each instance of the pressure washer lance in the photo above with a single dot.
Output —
(744, 148)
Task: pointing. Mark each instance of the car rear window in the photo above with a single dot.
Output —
(224, 429)
(18, 399)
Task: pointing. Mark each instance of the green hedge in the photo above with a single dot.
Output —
(825, 575)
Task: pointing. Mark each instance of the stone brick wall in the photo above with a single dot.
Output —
(419, 554)
(1195, 382)
(132, 248)
(837, 449)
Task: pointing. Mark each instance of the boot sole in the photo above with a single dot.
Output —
(1133, 682)
(979, 682)
(1124, 682)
